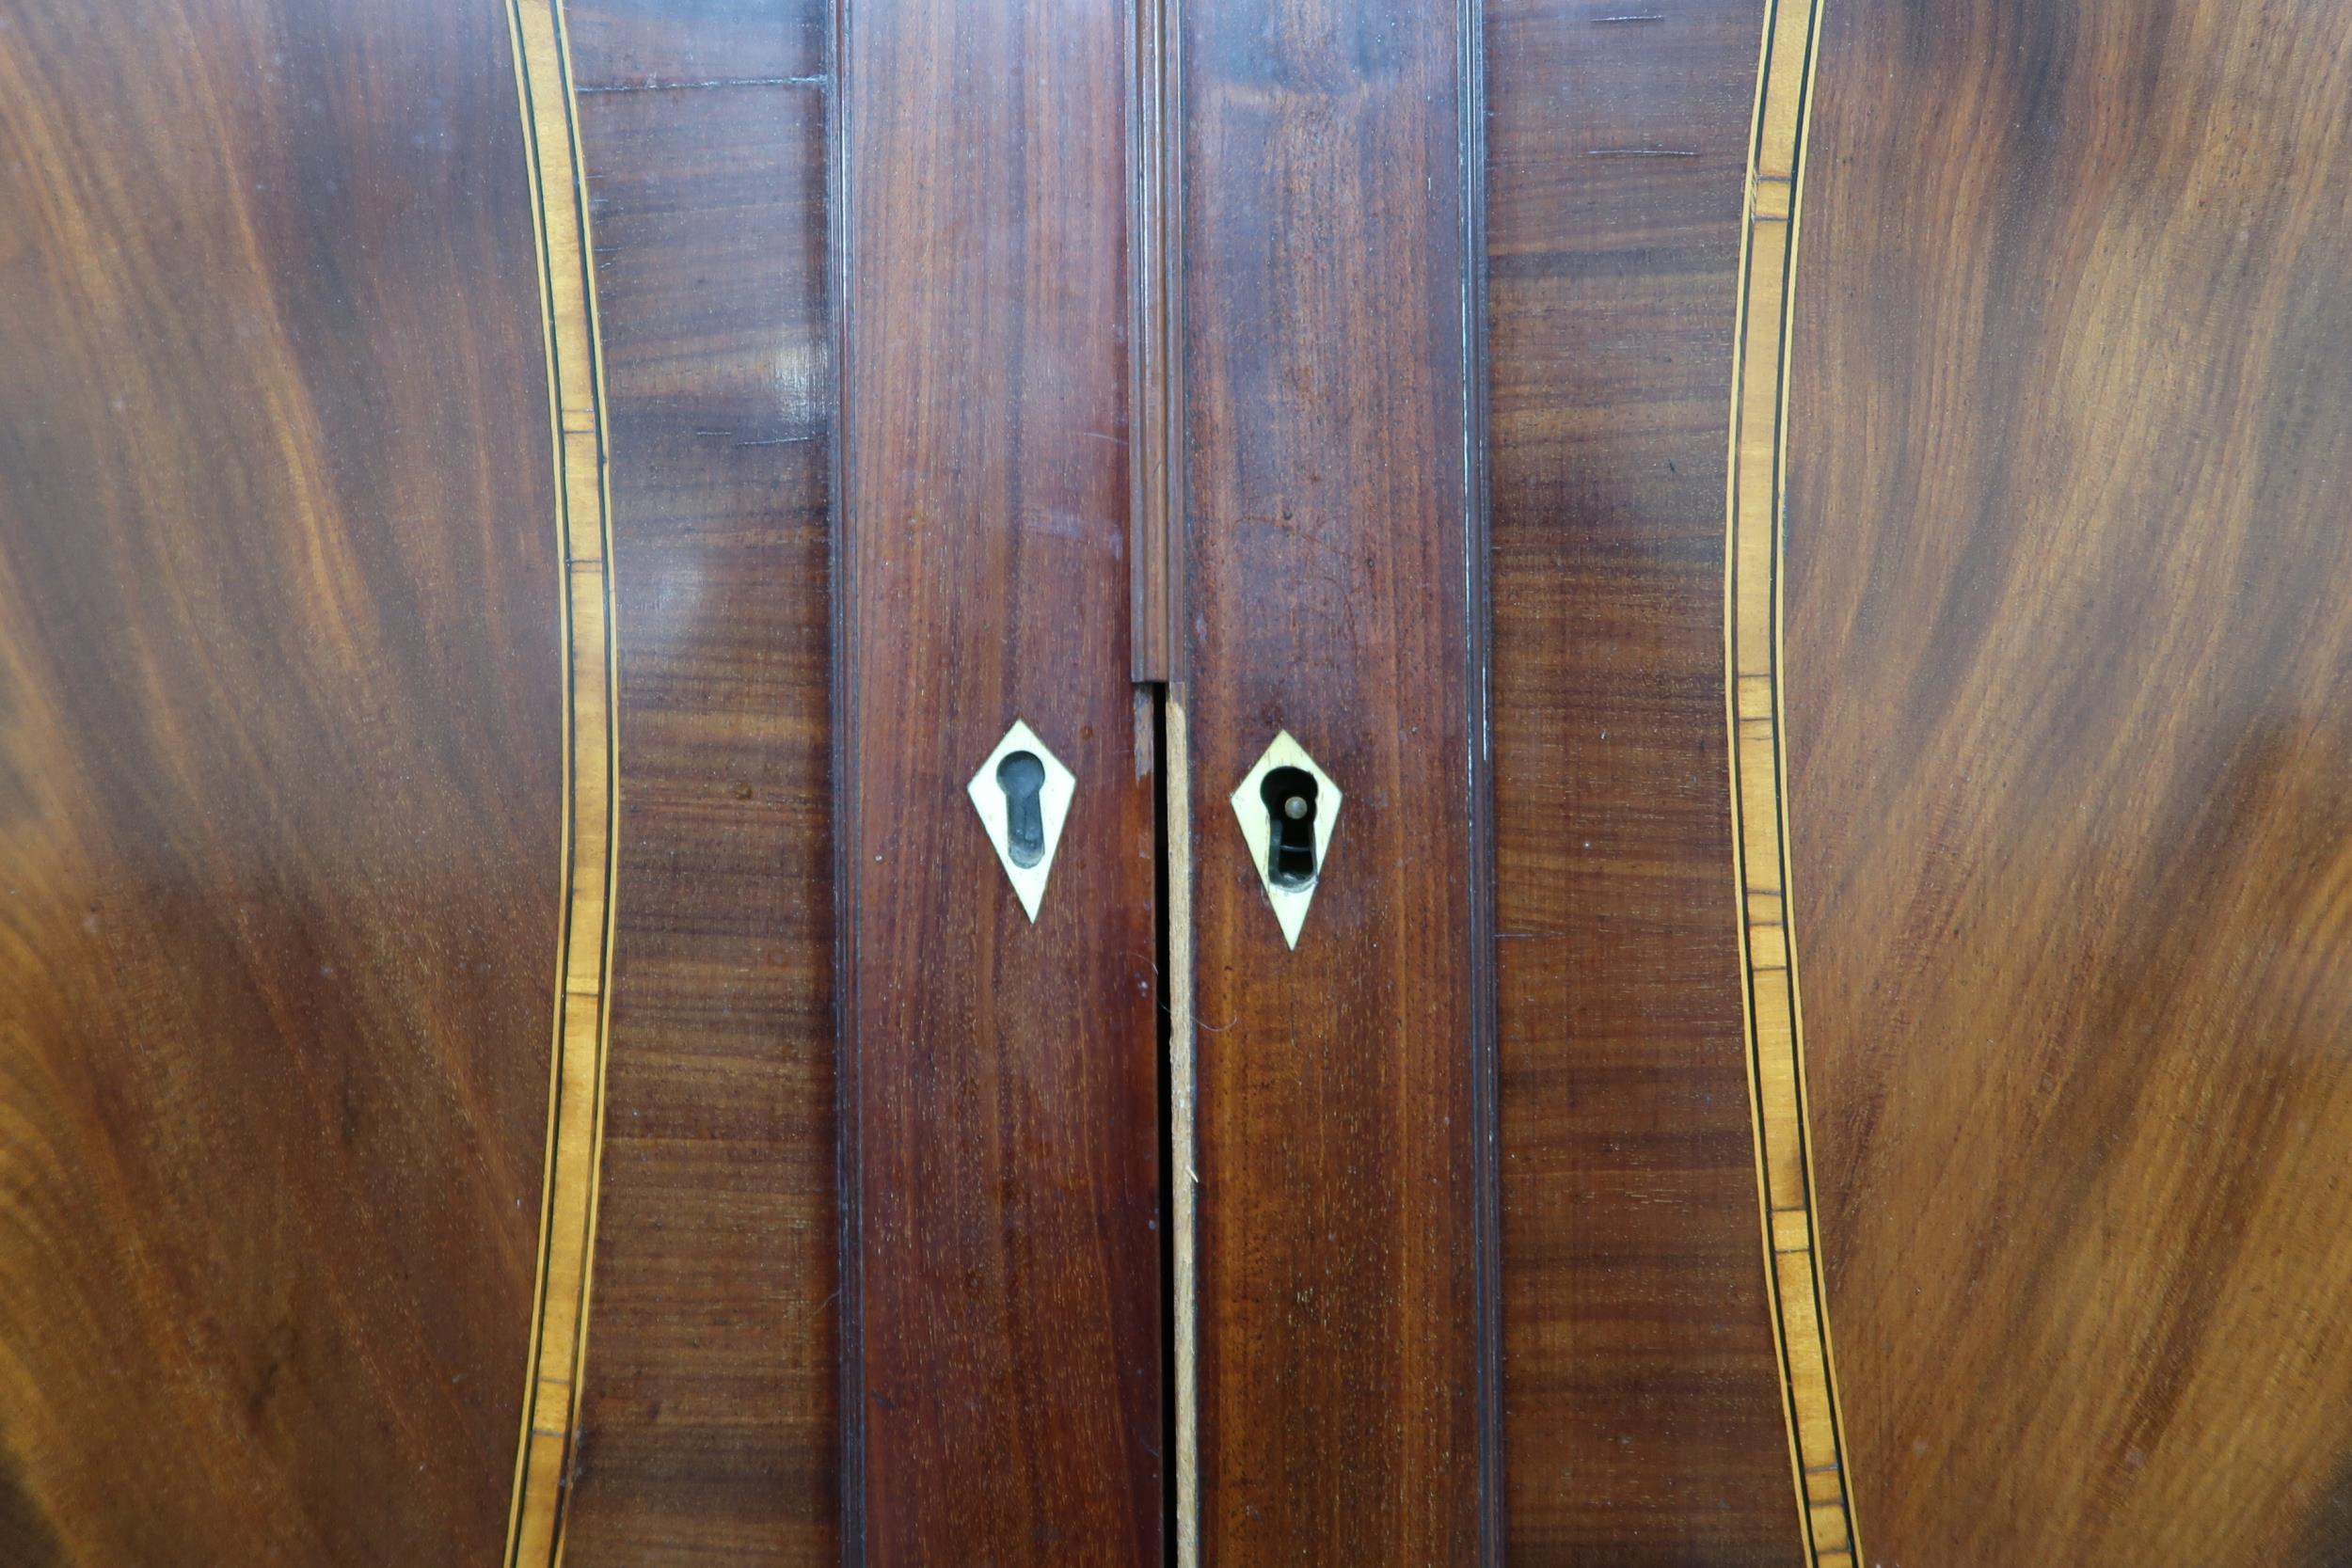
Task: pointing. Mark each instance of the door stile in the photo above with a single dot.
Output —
(1003, 1355)
(1333, 348)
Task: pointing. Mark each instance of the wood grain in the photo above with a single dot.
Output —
(281, 782)
(1644, 1419)
(1155, 457)
(2069, 660)
(1006, 1360)
(1327, 318)
(708, 1419)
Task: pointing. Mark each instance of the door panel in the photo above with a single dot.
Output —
(1644, 1415)
(2069, 660)
(708, 1413)
(281, 731)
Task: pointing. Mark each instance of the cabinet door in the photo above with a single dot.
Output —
(519, 524)
(1821, 1034)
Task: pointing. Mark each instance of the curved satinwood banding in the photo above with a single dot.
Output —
(583, 1001)
(1751, 635)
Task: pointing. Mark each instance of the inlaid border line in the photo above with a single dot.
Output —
(544, 1453)
(1754, 709)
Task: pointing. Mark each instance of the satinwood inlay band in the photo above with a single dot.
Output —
(567, 1224)
(1759, 802)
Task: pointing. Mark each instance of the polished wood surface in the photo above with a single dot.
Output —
(1328, 319)
(1005, 1353)
(1644, 1421)
(1155, 426)
(281, 724)
(2069, 661)
(1810, 538)
(708, 1421)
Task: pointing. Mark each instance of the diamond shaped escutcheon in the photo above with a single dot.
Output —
(1288, 807)
(1023, 794)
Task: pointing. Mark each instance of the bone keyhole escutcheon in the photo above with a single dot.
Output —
(1287, 806)
(1022, 794)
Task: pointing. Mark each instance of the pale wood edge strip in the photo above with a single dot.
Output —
(1755, 707)
(540, 44)
(1183, 1173)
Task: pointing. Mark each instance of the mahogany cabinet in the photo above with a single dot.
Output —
(1038, 782)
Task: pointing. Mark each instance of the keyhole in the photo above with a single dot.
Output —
(1289, 794)
(1022, 777)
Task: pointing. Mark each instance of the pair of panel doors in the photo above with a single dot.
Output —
(1003, 782)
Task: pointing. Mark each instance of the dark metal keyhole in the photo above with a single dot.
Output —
(1022, 777)
(1289, 794)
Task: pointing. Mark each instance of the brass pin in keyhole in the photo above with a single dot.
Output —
(1289, 793)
